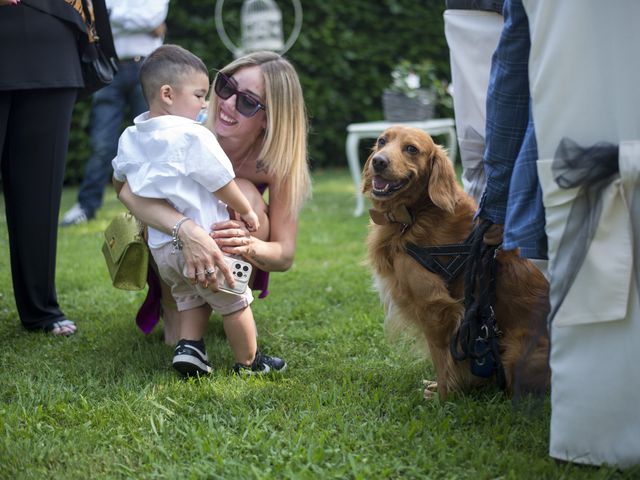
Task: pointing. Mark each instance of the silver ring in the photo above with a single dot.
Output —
(209, 271)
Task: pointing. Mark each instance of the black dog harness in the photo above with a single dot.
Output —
(449, 270)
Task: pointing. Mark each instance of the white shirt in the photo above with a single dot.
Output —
(132, 22)
(176, 159)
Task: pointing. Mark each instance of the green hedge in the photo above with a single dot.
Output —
(344, 56)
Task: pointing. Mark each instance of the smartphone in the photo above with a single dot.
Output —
(241, 272)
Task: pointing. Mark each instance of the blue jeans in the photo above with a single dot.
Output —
(108, 109)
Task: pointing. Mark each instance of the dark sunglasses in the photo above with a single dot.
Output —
(246, 104)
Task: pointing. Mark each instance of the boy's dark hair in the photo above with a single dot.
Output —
(165, 66)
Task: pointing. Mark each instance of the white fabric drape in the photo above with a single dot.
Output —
(584, 71)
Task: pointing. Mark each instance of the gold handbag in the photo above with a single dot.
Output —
(126, 252)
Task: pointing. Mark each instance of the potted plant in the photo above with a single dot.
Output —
(415, 93)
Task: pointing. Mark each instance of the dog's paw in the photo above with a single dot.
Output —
(430, 389)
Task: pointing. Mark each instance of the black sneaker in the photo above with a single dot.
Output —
(190, 359)
(261, 365)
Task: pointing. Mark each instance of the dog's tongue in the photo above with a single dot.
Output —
(380, 184)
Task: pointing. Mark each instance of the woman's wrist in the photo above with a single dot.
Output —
(187, 230)
(176, 242)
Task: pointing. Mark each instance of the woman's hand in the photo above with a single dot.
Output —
(233, 238)
(202, 256)
(8, 2)
(494, 234)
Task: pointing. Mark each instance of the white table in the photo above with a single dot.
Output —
(358, 131)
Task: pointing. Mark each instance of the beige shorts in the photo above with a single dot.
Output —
(188, 296)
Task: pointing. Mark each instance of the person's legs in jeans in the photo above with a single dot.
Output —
(135, 98)
(120, 101)
(107, 113)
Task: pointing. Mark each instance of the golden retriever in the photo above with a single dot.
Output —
(416, 199)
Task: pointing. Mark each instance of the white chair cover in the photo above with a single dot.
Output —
(584, 70)
(472, 36)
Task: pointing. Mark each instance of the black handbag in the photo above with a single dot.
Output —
(98, 58)
(98, 54)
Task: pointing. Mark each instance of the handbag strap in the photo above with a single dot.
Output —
(95, 16)
(86, 12)
(102, 27)
(90, 20)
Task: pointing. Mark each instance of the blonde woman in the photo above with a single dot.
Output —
(257, 113)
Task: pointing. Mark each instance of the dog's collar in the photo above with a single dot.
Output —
(400, 215)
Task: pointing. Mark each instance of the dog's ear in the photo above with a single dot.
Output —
(442, 181)
(365, 185)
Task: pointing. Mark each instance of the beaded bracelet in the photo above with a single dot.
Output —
(175, 241)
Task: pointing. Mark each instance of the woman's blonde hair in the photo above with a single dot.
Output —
(284, 149)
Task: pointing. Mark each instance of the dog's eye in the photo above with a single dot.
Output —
(382, 142)
(411, 150)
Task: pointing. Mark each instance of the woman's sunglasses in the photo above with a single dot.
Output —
(246, 104)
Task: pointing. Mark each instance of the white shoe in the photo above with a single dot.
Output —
(74, 216)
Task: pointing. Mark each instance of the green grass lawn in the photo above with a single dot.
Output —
(107, 404)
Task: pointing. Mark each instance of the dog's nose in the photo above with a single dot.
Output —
(379, 162)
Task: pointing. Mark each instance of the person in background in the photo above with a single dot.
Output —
(257, 113)
(138, 28)
(40, 75)
(472, 29)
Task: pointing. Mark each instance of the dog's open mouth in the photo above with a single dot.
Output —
(383, 188)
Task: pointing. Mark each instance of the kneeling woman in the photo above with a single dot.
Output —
(258, 115)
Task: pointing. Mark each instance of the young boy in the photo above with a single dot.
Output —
(167, 154)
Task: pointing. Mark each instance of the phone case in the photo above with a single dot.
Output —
(241, 272)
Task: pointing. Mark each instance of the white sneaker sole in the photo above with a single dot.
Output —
(266, 371)
(188, 365)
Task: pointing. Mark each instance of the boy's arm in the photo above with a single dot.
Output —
(233, 197)
(217, 170)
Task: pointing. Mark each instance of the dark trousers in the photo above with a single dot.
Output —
(34, 135)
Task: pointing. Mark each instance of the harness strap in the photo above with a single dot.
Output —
(428, 258)
(478, 334)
